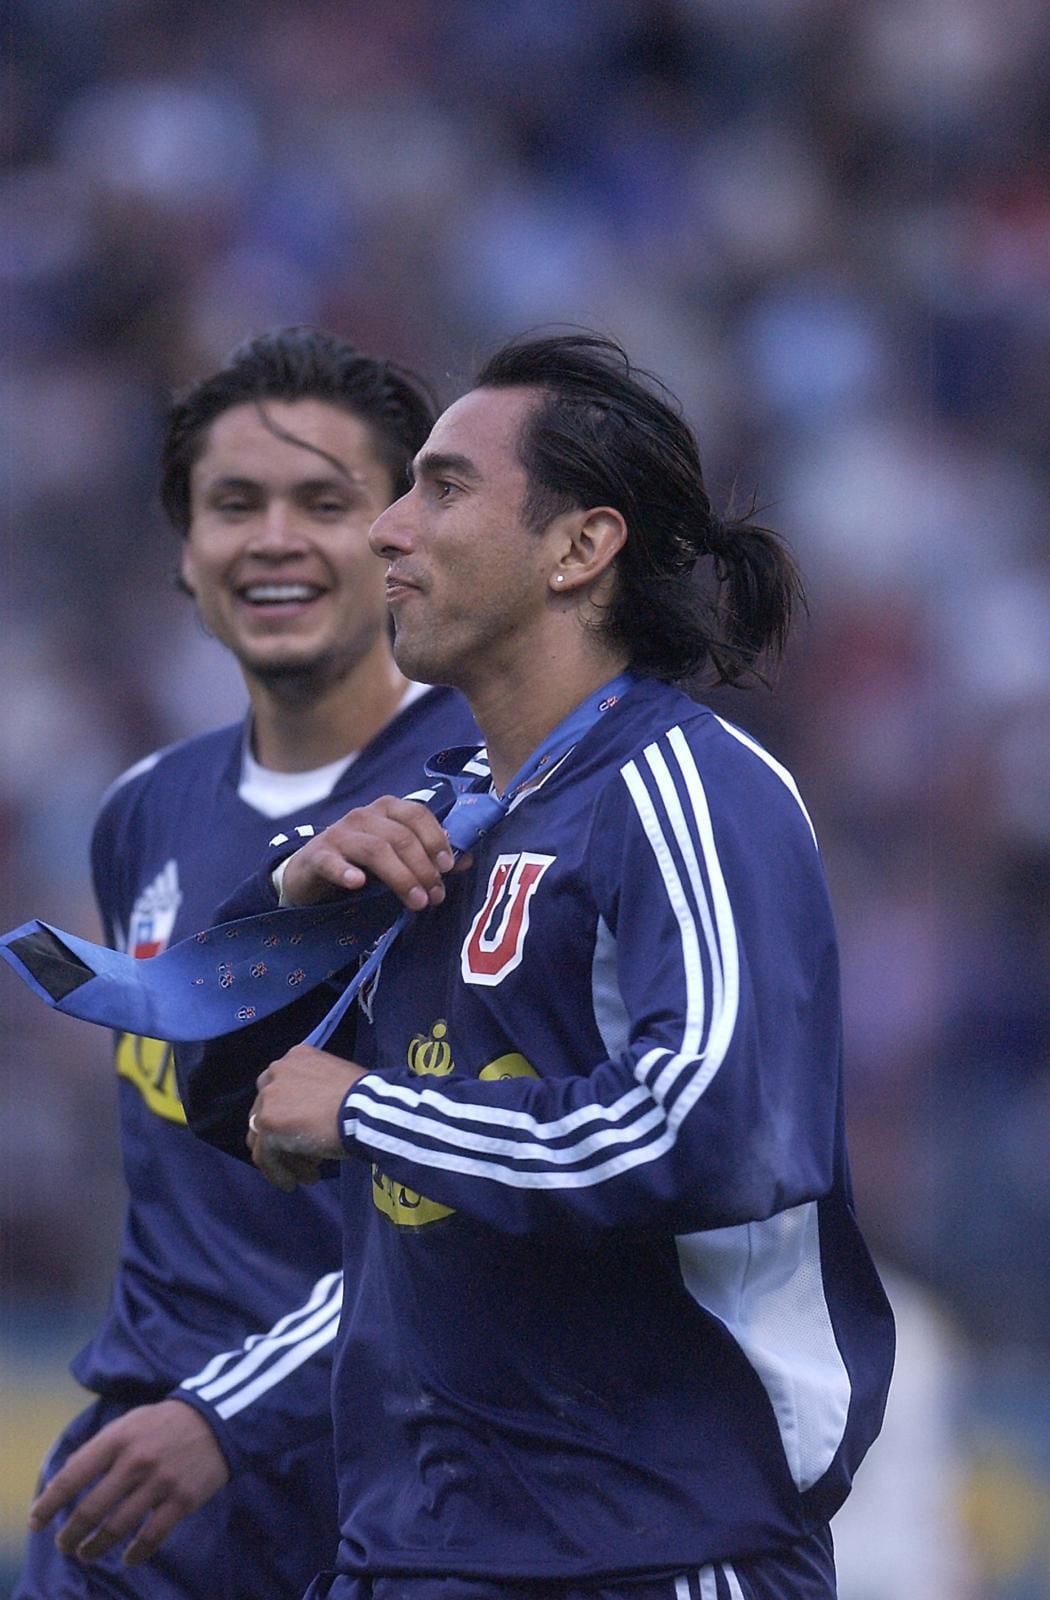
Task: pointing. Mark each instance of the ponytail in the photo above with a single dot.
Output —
(758, 592)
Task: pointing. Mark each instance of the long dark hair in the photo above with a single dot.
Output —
(297, 363)
(603, 433)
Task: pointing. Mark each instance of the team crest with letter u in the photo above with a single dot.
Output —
(496, 937)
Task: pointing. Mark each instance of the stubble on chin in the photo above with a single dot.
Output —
(299, 680)
(409, 657)
(305, 676)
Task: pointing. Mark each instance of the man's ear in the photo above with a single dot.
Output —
(184, 572)
(588, 543)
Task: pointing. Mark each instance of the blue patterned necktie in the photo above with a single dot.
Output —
(239, 972)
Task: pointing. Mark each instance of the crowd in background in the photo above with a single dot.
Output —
(826, 225)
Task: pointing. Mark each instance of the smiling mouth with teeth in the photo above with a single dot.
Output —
(279, 594)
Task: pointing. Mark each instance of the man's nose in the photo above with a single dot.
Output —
(277, 531)
(391, 533)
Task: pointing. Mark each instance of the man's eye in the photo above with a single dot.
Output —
(444, 489)
(328, 508)
(229, 507)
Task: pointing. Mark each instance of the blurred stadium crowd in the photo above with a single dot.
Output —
(826, 225)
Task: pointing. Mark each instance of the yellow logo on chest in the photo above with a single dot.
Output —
(430, 1055)
(405, 1207)
(509, 1066)
(150, 1065)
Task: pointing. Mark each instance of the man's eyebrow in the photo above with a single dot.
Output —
(432, 463)
(230, 480)
(342, 480)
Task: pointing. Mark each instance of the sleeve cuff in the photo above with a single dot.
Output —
(348, 1122)
(277, 879)
(235, 1458)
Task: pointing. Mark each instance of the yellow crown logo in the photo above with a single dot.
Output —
(431, 1053)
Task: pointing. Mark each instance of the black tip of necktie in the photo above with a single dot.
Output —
(54, 966)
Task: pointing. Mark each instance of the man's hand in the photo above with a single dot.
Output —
(148, 1469)
(294, 1123)
(397, 841)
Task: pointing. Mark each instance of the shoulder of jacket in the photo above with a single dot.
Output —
(188, 755)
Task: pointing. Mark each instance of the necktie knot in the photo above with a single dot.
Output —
(472, 815)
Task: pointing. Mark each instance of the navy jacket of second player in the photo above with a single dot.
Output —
(611, 1312)
(210, 1254)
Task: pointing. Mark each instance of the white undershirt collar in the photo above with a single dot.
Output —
(279, 794)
